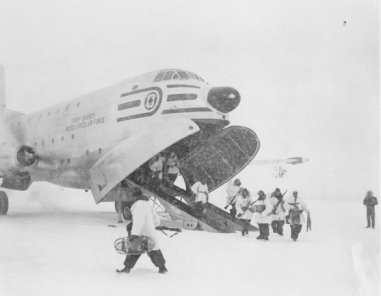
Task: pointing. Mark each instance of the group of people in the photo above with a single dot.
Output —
(165, 167)
(273, 210)
(266, 210)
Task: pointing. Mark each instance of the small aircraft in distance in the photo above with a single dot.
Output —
(108, 136)
(280, 165)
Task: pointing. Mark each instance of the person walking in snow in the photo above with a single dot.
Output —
(370, 202)
(233, 190)
(278, 211)
(295, 208)
(244, 212)
(262, 215)
(144, 220)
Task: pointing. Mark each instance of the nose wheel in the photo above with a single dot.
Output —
(3, 203)
(125, 209)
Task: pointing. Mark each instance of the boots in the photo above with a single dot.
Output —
(125, 269)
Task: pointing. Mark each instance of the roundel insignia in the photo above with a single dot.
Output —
(151, 100)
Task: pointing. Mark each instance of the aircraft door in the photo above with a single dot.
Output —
(134, 151)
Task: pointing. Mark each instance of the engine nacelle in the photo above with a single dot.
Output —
(20, 181)
(15, 158)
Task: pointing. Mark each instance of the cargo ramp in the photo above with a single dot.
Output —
(213, 219)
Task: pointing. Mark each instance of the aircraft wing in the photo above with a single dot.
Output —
(131, 153)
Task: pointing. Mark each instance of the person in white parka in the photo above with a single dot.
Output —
(278, 211)
(232, 191)
(244, 213)
(144, 222)
(262, 208)
(295, 207)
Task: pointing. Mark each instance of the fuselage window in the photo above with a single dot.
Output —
(159, 76)
(72, 136)
(52, 140)
(168, 75)
(68, 160)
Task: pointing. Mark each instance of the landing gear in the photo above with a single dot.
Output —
(125, 210)
(3, 203)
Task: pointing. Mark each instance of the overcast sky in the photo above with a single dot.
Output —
(307, 71)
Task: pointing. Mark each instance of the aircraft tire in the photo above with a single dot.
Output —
(126, 213)
(4, 204)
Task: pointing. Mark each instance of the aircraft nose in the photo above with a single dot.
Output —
(224, 99)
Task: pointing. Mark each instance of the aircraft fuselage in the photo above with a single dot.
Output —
(71, 137)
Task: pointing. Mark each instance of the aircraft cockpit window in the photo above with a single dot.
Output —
(168, 75)
(193, 76)
(159, 76)
(175, 75)
(183, 75)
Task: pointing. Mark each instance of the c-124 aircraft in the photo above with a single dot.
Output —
(97, 140)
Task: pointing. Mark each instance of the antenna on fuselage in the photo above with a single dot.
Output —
(2, 88)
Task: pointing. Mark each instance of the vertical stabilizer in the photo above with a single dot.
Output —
(2, 88)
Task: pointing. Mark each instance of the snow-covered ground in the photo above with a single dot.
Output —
(63, 245)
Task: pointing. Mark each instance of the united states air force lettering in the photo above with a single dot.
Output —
(87, 120)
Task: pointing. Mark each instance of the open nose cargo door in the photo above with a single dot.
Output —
(222, 157)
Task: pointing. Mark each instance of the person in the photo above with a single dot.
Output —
(232, 190)
(172, 168)
(143, 223)
(262, 209)
(243, 206)
(278, 211)
(156, 168)
(200, 189)
(370, 202)
(295, 207)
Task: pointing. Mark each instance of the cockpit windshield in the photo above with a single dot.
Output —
(177, 75)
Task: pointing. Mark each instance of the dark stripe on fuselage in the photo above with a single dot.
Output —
(128, 105)
(143, 101)
(182, 85)
(181, 97)
(186, 110)
(131, 117)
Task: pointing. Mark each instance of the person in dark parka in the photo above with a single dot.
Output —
(370, 202)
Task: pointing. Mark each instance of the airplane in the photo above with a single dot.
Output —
(280, 165)
(103, 138)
